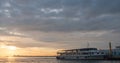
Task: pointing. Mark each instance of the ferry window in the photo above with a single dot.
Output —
(85, 53)
(102, 52)
(115, 53)
(77, 57)
(92, 53)
(97, 53)
(85, 56)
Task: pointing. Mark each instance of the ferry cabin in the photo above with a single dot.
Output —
(88, 53)
(116, 53)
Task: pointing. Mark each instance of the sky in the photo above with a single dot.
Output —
(42, 27)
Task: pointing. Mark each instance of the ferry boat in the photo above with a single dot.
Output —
(90, 53)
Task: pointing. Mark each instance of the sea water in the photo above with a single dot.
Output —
(50, 60)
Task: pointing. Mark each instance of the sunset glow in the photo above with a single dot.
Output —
(12, 48)
(7, 50)
(35, 51)
(42, 27)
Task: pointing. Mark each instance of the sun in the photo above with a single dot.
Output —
(11, 50)
(11, 47)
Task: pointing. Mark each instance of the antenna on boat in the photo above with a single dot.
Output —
(88, 45)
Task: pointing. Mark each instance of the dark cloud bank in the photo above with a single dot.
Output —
(62, 17)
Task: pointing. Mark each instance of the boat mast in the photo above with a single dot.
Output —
(110, 49)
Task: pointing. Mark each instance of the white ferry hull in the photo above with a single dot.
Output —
(81, 57)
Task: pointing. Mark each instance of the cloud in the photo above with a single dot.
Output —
(61, 22)
(89, 12)
(48, 10)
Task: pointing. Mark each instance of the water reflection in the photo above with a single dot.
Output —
(50, 60)
(11, 59)
(88, 61)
